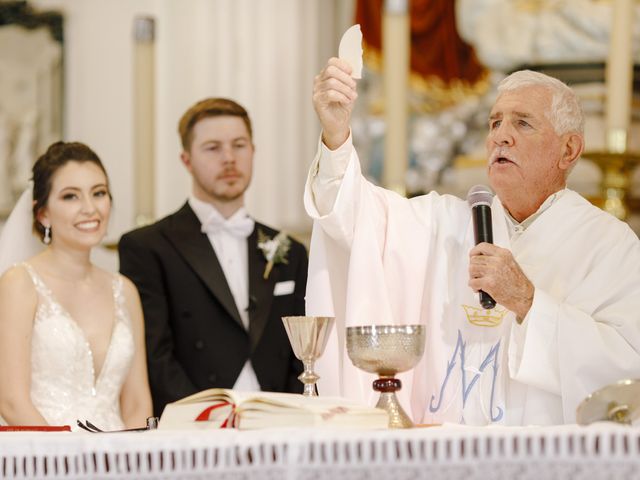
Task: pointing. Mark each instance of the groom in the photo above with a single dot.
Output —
(212, 302)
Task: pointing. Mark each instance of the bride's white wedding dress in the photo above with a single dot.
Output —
(64, 385)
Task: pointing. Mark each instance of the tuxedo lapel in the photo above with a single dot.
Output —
(260, 290)
(184, 233)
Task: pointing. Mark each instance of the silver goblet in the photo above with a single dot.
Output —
(387, 350)
(308, 337)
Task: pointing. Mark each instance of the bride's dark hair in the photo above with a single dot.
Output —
(57, 156)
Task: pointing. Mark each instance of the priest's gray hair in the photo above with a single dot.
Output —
(566, 113)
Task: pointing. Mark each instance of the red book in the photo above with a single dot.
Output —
(35, 428)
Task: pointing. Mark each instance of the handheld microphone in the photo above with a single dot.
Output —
(479, 199)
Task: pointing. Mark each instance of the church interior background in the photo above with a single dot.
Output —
(118, 74)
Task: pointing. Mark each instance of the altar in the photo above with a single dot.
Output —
(602, 450)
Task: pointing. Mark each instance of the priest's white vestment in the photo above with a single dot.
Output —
(379, 258)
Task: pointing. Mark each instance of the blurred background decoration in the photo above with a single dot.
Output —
(127, 69)
(460, 50)
(31, 80)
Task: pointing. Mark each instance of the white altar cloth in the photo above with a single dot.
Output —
(568, 452)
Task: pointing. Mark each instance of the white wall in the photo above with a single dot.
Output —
(98, 41)
(263, 53)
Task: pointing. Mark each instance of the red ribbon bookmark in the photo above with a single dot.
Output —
(206, 413)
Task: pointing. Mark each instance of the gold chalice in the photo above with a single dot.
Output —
(387, 350)
(618, 402)
(308, 337)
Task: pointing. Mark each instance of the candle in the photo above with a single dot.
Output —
(619, 75)
(396, 38)
(144, 144)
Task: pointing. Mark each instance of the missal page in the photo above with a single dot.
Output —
(223, 408)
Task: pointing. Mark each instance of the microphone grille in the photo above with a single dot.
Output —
(479, 195)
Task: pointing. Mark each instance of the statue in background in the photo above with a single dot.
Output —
(25, 151)
(444, 68)
(30, 93)
(450, 93)
(509, 33)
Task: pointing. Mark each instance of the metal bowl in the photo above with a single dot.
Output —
(385, 349)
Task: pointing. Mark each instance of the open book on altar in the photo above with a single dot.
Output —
(222, 408)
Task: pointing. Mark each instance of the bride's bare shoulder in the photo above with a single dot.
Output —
(17, 274)
(129, 288)
(17, 283)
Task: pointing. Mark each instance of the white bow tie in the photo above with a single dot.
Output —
(239, 226)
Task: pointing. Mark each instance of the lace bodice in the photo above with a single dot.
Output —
(64, 385)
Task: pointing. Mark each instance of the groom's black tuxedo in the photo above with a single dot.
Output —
(194, 334)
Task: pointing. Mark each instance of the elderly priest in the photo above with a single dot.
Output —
(565, 275)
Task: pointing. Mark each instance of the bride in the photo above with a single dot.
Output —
(71, 334)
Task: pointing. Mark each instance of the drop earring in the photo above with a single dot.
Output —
(47, 235)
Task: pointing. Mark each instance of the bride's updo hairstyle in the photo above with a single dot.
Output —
(57, 156)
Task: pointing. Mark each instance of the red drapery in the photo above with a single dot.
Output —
(443, 66)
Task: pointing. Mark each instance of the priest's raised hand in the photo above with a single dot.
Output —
(334, 94)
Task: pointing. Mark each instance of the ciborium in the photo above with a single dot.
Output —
(617, 172)
(618, 402)
(387, 350)
(308, 337)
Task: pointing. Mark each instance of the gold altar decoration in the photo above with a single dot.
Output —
(617, 169)
(617, 163)
(618, 402)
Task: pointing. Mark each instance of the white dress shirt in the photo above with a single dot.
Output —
(232, 253)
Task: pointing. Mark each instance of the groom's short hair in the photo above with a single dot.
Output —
(210, 107)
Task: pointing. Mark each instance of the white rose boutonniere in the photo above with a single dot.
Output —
(275, 249)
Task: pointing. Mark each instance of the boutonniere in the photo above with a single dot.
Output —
(274, 249)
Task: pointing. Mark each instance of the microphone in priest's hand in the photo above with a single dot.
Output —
(479, 199)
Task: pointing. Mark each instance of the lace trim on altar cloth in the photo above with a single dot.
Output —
(598, 451)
